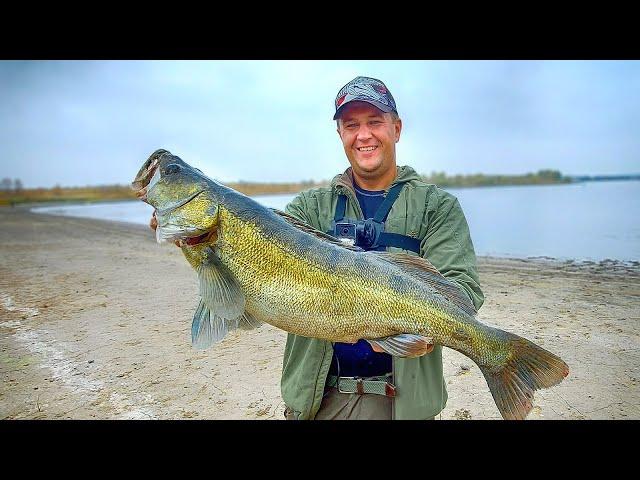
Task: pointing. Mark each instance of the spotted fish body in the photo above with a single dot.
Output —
(313, 288)
(259, 265)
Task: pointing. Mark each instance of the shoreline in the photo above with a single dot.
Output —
(296, 187)
(541, 258)
(95, 320)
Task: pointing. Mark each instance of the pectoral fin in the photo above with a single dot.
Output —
(207, 328)
(248, 322)
(222, 306)
(404, 345)
(219, 289)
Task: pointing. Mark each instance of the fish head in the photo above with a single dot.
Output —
(145, 173)
(184, 203)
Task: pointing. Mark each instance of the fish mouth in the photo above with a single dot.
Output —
(154, 176)
(140, 183)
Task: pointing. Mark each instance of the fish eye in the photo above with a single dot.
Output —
(172, 168)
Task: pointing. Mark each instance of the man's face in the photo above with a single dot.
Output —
(369, 139)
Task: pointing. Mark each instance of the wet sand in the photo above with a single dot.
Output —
(95, 324)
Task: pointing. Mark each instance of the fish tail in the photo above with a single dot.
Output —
(528, 369)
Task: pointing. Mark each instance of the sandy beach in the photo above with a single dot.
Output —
(95, 324)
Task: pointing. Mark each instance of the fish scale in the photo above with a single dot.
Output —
(310, 299)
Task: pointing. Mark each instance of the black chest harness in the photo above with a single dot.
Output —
(369, 234)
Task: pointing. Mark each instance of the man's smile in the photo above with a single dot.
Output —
(367, 149)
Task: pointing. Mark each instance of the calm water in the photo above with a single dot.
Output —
(587, 221)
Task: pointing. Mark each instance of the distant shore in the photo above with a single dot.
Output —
(95, 323)
(116, 193)
(120, 193)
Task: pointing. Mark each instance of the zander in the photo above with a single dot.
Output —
(257, 265)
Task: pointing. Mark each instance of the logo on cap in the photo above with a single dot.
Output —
(380, 89)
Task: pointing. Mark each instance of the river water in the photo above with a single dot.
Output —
(581, 221)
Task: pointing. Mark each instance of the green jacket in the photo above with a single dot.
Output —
(423, 211)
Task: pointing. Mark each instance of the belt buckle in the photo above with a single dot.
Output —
(359, 385)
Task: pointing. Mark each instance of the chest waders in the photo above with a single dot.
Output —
(369, 234)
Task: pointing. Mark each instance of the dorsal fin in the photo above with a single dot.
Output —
(316, 233)
(424, 270)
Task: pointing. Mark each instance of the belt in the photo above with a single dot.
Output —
(376, 385)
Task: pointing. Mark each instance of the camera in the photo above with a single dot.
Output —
(346, 230)
(363, 233)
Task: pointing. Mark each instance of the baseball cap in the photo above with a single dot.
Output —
(365, 89)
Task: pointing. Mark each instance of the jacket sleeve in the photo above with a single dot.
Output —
(297, 208)
(448, 246)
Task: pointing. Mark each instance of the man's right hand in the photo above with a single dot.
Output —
(153, 223)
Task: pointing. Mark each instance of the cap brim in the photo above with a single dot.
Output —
(378, 105)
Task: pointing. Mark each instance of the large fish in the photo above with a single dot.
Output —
(257, 265)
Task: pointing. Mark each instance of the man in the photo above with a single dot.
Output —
(378, 206)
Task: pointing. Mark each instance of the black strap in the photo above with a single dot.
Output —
(391, 197)
(383, 209)
(385, 239)
(400, 241)
(341, 207)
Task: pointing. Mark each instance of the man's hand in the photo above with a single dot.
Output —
(153, 224)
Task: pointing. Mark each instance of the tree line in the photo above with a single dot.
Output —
(541, 177)
(12, 192)
(11, 185)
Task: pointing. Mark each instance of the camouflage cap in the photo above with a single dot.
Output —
(365, 89)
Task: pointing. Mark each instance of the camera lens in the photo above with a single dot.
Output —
(345, 231)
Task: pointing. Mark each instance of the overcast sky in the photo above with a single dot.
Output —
(95, 122)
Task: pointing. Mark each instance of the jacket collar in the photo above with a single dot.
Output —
(345, 180)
